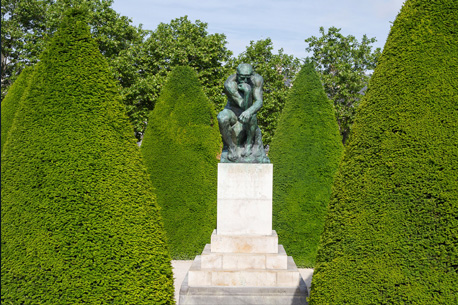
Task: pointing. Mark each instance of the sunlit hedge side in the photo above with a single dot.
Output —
(391, 232)
(80, 222)
(305, 152)
(11, 102)
(180, 149)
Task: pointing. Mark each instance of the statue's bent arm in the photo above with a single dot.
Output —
(257, 93)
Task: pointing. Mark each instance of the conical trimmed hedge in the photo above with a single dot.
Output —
(12, 100)
(391, 232)
(305, 151)
(80, 222)
(180, 147)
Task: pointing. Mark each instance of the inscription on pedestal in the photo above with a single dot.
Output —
(244, 243)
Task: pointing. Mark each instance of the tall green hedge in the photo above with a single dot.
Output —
(180, 147)
(305, 152)
(11, 102)
(391, 234)
(80, 222)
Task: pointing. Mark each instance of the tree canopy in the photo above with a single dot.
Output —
(390, 235)
(141, 59)
(143, 69)
(27, 26)
(345, 65)
(79, 220)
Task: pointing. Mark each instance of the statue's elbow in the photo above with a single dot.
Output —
(257, 105)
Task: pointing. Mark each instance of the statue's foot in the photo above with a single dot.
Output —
(232, 154)
(247, 151)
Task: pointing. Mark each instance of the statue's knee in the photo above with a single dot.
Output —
(225, 118)
(222, 118)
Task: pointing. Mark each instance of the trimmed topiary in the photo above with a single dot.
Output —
(305, 151)
(391, 232)
(80, 222)
(180, 147)
(11, 102)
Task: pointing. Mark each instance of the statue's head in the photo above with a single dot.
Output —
(244, 72)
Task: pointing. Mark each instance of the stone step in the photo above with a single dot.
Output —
(199, 277)
(244, 243)
(243, 261)
(212, 295)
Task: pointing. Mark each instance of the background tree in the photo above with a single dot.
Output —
(28, 24)
(143, 69)
(305, 151)
(19, 18)
(390, 235)
(180, 147)
(344, 64)
(278, 71)
(75, 225)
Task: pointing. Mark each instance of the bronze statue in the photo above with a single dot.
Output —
(237, 122)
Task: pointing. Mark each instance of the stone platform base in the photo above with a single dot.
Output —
(252, 269)
(217, 295)
(234, 276)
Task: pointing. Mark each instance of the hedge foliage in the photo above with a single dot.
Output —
(180, 147)
(80, 222)
(305, 151)
(11, 102)
(391, 232)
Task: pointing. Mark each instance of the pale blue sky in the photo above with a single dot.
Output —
(287, 22)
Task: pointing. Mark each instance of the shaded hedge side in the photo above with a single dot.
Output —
(11, 102)
(391, 232)
(80, 222)
(305, 151)
(180, 147)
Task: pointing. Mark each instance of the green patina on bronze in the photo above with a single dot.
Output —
(237, 121)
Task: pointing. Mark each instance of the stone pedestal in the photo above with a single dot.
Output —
(244, 264)
(244, 199)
